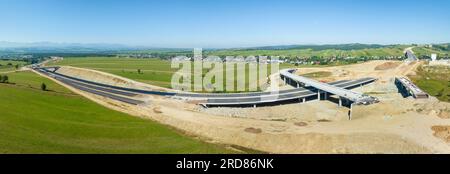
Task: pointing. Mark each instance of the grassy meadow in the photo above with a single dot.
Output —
(153, 71)
(424, 51)
(9, 65)
(59, 121)
(435, 80)
(386, 51)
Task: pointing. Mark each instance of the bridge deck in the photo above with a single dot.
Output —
(283, 96)
(358, 98)
(411, 88)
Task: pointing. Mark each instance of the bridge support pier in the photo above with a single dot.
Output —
(340, 101)
(318, 95)
(298, 85)
(350, 112)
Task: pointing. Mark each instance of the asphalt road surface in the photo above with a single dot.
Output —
(101, 91)
(299, 93)
(122, 94)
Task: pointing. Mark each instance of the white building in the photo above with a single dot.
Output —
(435, 62)
(433, 57)
(251, 59)
(181, 58)
(212, 59)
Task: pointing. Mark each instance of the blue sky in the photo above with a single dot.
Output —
(225, 23)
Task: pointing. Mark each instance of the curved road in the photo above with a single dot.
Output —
(125, 94)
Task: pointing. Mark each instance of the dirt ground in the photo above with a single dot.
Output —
(442, 132)
(395, 125)
(388, 65)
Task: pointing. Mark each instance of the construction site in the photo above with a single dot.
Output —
(370, 107)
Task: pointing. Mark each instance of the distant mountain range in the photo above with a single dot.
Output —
(351, 46)
(59, 47)
(52, 47)
(4, 44)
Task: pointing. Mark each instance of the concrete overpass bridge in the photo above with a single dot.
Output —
(410, 56)
(325, 89)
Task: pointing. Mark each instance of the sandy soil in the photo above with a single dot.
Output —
(395, 125)
(442, 132)
(387, 66)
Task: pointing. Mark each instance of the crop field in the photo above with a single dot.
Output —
(59, 121)
(152, 71)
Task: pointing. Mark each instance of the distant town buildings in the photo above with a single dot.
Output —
(214, 59)
(56, 58)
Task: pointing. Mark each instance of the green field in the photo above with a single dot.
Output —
(354, 51)
(390, 51)
(4, 67)
(424, 51)
(291, 51)
(153, 71)
(59, 121)
(434, 80)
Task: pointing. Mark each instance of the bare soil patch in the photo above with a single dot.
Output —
(253, 130)
(301, 124)
(196, 102)
(387, 65)
(445, 114)
(323, 120)
(317, 75)
(157, 110)
(442, 132)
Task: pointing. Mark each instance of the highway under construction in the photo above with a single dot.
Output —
(304, 110)
(309, 90)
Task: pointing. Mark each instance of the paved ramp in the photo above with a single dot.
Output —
(356, 97)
